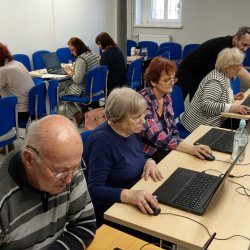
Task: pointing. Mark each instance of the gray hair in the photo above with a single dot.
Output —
(242, 31)
(229, 57)
(123, 102)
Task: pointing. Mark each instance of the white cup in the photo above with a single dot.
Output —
(133, 51)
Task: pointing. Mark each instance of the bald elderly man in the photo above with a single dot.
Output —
(44, 201)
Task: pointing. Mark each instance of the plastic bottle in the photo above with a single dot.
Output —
(240, 140)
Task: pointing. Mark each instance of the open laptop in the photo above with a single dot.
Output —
(218, 140)
(184, 190)
(53, 64)
(246, 102)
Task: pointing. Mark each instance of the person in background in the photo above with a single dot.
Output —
(47, 205)
(113, 58)
(114, 155)
(202, 60)
(159, 133)
(215, 95)
(85, 60)
(15, 80)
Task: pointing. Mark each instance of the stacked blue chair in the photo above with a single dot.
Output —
(235, 85)
(174, 48)
(178, 108)
(188, 48)
(130, 44)
(96, 87)
(37, 104)
(246, 62)
(85, 135)
(9, 130)
(37, 59)
(135, 74)
(53, 94)
(163, 50)
(151, 46)
(64, 55)
(24, 59)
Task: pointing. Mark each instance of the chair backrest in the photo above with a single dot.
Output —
(151, 46)
(37, 59)
(246, 61)
(135, 73)
(53, 95)
(188, 48)
(163, 50)
(177, 101)
(96, 82)
(174, 48)
(24, 59)
(37, 101)
(235, 85)
(8, 114)
(130, 44)
(64, 55)
(85, 135)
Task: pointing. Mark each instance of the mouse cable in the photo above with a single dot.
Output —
(206, 229)
(242, 164)
(158, 245)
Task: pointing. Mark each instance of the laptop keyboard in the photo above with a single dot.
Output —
(59, 72)
(225, 143)
(194, 190)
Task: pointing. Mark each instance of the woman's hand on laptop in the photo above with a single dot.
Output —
(244, 110)
(67, 68)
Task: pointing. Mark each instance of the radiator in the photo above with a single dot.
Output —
(156, 38)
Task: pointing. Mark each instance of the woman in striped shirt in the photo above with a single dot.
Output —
(215, 95)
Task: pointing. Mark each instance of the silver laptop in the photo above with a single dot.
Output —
(190, 190)
(53, 64)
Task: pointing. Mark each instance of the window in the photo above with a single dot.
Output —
(158, 13)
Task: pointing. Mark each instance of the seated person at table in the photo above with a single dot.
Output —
(15, 80)
(114, 155)
(44, 200)
(214, 94)
(159, 133)
(85, 60)
(113, 58)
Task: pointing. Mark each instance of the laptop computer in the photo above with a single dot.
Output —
(184, 190)
(246, 102)
(53, 64)
(218, 140)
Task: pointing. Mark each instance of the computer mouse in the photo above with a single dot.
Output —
(156, 210)
(208, 158)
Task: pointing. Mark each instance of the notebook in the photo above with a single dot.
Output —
(53, 64)
(175, 191)
(218, 140)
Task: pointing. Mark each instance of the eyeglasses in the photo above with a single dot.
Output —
(60, 175)
(169, 80)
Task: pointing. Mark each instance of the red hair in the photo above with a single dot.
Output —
(4, 54)
(156, 67)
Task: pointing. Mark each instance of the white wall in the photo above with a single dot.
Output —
(30, 25)
(202, 20)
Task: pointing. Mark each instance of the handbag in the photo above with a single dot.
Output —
(94, 117)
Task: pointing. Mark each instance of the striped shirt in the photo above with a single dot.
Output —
(86, 61)
(211, 98)
(158, 133)
(31, 219)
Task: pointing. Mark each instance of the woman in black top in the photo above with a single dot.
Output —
(113, 58)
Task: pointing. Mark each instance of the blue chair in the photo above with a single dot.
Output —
(24, 59)
(235, 85)
(37, 104)
(246, 61)
(135, 74)
(163, 50)
(9, 130)
(64, 55)
(151, 46)
(188, 48)
(96, 87)
(85, 135)
(37, 59)
(178, 108)
(130, 44)
(174, 48)
(53, 94)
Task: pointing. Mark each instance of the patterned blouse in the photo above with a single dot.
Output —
(158, 133)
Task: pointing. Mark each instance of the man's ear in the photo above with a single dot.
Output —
(27, 157)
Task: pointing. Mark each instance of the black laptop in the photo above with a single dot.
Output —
(218, 140)
(53, 64)
(246, 102)
(190, 190)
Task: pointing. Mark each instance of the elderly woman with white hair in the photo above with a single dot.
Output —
(115, 158)
(215, 95)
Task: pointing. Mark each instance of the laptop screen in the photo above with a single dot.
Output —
(51, 61)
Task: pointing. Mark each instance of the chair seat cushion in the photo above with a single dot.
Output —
(9, 135)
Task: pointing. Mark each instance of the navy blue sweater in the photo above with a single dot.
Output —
(114, 163)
